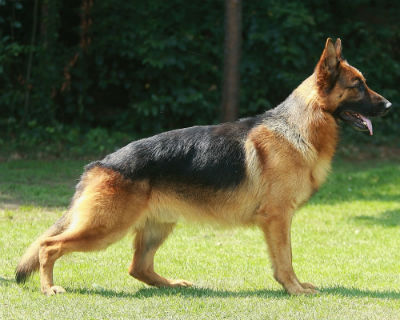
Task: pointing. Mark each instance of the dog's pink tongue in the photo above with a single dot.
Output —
(369, 124)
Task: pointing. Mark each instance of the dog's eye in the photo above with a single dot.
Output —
(361, 87)
(358, 84)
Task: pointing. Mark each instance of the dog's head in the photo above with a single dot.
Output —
(344, 90)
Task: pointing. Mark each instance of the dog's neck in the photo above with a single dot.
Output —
(301, 119)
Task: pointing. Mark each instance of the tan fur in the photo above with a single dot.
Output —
(102, 214)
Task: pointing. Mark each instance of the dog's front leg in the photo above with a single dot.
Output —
(276, 228)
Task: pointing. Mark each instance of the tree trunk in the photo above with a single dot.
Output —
(231, 81)
(29, 68)
(44, 21)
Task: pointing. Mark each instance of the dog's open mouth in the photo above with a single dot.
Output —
(357, 120)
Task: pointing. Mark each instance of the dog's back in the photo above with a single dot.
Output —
(206, 156)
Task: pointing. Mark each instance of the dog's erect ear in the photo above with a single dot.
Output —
(338, 47)
(328, 65)
(329, 58)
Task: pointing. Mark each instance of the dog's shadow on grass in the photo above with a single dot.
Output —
(197, 292)
(389, 218)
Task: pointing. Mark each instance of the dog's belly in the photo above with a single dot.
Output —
(227, 207)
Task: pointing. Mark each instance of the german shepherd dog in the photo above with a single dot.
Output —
(255, 171)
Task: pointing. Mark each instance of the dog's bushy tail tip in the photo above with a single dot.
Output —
(29, 262)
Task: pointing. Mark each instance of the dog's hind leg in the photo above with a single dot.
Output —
(102, 213)
(147, 241)
(53, 248)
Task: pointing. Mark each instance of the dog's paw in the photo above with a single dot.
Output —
(300, 290)
(307, 285)
(180, 283)
(51, 291)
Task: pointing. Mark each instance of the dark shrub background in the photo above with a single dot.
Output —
(110, 71)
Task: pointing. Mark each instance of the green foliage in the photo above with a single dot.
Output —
(151, 66)
(58, 140)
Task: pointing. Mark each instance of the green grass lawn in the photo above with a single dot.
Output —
(346, 241)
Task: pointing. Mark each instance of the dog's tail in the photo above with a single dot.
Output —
(29, 262)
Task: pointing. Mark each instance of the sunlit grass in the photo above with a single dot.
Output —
(345, 240)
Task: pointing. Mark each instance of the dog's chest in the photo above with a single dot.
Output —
(307, 186)
(293, 188)
(319, 172)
